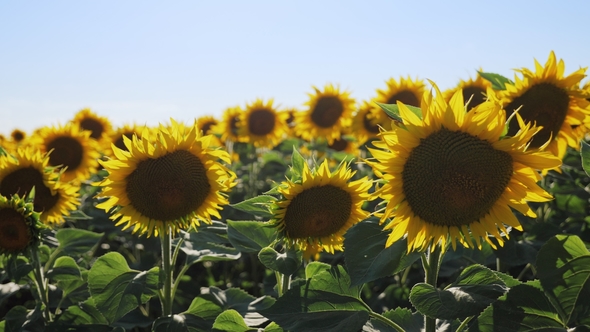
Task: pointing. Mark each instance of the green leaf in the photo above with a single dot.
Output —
(208, 243)
(392, 110)
(498, 81)
(116, 289)
(563, 267)
(258, 206)
(325, 302)
(67, 274)
(475, 289)
(298, 164)
(234, 298)
(405, 318)
(523, 308)
(75, 242)
(181, 323)
(286, 263)
(17, 267)
(231, 321)
(366, 257)
(314, 268)
(84, 313)
(19, 318)
(273, 327)
(585, 154)
(251, 236)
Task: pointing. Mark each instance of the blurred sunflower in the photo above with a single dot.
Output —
(19, 225)
(407, 91)
(550, 100)
(315, 212)
(18, 135)
(329, 112)
(451, 173)
(127, 130)
(169, 179)
(366, 122)
(206, 124)
(227, 128)
(473, 90)
(262, 125)
(99, 126)
(28, 168)
(70, 147)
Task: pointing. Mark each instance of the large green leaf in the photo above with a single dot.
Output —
(366, 257)
(257, 206)
(585, 154)
(209, 243)
(405, 318)
(524, 308)
(563, 266)
(250, 236)
(247, 305)
(231, 321)
(116, 289)
(325, 302)
(286, 263)
(75, 242)
(67, 274)
(498, 81)
(475, 289)
(84, 313)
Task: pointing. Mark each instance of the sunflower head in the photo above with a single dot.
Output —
(18, 135)
(117, 137)
(319, 207)
(71, 148)
(406, 91)
(451, 174)
(328, 113)
(99, 126)
(551, 100)
(206, 124)
(20, 228)
(262, 125)
(473, 90)
(170, 179)
(368, 121)
(28, 168)
(227, 129)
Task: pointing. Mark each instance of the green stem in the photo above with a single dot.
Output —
(386, 320)
(177, 281)
(165, 239)
(286, 283)
(279, 278)
(433, 258)
(464, 324)
(41, 283)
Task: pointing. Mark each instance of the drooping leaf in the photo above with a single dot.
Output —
(117, 289)
(209, 243)
(475, 289)
(498, 81)
(75, 242)
(250, 236)
(67, 274)
(245, 304)
(405, 318)
(524, 308)
(230, 321)
(286, 263)
(563, 267)
(325, 302)
(366, 257)
(256, 206)
(392, 110)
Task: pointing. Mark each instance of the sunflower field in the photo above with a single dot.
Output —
(422, 209)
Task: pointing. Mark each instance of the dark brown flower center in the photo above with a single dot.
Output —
(407, 97)
(339, 144)
(475, 93)
(318, 212)
(368, 124)
(327, 111)
(261, 122)
(207, 127)
(67, 151)
(18, 135)
(453, 179)
(22, 180)
(14, 231)
(544, 104)
(170, 187)
(95, 127)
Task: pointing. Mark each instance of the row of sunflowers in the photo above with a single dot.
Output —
(464, 209)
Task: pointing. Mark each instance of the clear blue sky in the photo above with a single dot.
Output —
(147, 61)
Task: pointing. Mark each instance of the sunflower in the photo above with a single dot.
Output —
(473, 90)
(99, 126)
(70, 147)
(168, 179)
(261, 124)
(451, 173)
(367, 121)
(18, 135)
(227, 128)
(19, 225)
(124, 131)
(329, 112)
(549, 100)
(316, 211)
(206, 124)
(28, 168)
